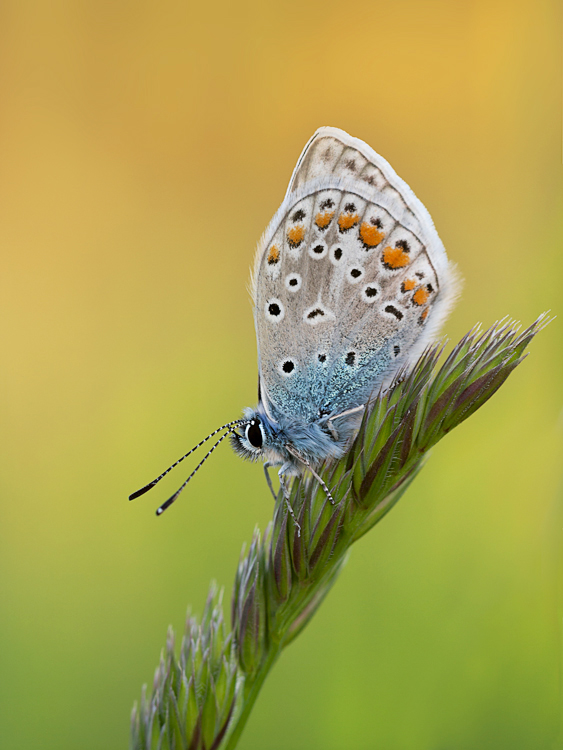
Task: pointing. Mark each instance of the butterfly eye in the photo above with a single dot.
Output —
(254, 434)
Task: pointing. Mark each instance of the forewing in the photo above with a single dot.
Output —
(332, 154)
(347, 287)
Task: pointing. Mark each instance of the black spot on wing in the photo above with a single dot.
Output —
(392, 310)
(315, 313)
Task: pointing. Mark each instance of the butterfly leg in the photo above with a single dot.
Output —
(332, 429)
(319, 479)
(286, 495)
(268, 479)
(330, 425)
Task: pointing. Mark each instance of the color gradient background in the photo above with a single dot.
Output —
(143, 149)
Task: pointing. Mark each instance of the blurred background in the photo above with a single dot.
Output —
(144, 147)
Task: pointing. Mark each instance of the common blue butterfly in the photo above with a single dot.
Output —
(350, 283)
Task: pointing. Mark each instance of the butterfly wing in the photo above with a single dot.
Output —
(351, 281)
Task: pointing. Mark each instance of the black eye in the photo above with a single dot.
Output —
(254, 434)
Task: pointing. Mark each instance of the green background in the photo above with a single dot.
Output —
(144, 147)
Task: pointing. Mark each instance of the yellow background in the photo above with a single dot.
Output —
(144, 146)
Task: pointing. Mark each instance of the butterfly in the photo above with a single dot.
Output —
(350, 283)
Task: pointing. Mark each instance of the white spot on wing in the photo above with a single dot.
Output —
(287, 367)
(318, 313)
(318, 250)
(274, 310)
(370, 293)
(355, 274)
(336, 254)
(293, 282)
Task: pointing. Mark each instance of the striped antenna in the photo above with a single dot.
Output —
(149, 486)
(170, 500)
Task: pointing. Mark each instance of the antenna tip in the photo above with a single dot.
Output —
(159, 511)
(138, 493)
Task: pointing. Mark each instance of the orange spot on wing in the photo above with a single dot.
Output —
(370, 235)
(347, 221)
(273, 255)
(323, 220)
(408, 285)
(424, 315)
(295, 235)
(420, 296)
(395, 257)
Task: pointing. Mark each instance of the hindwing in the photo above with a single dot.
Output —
(351, 281)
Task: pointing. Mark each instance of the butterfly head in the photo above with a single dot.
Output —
(253, 438)
(258, 437)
